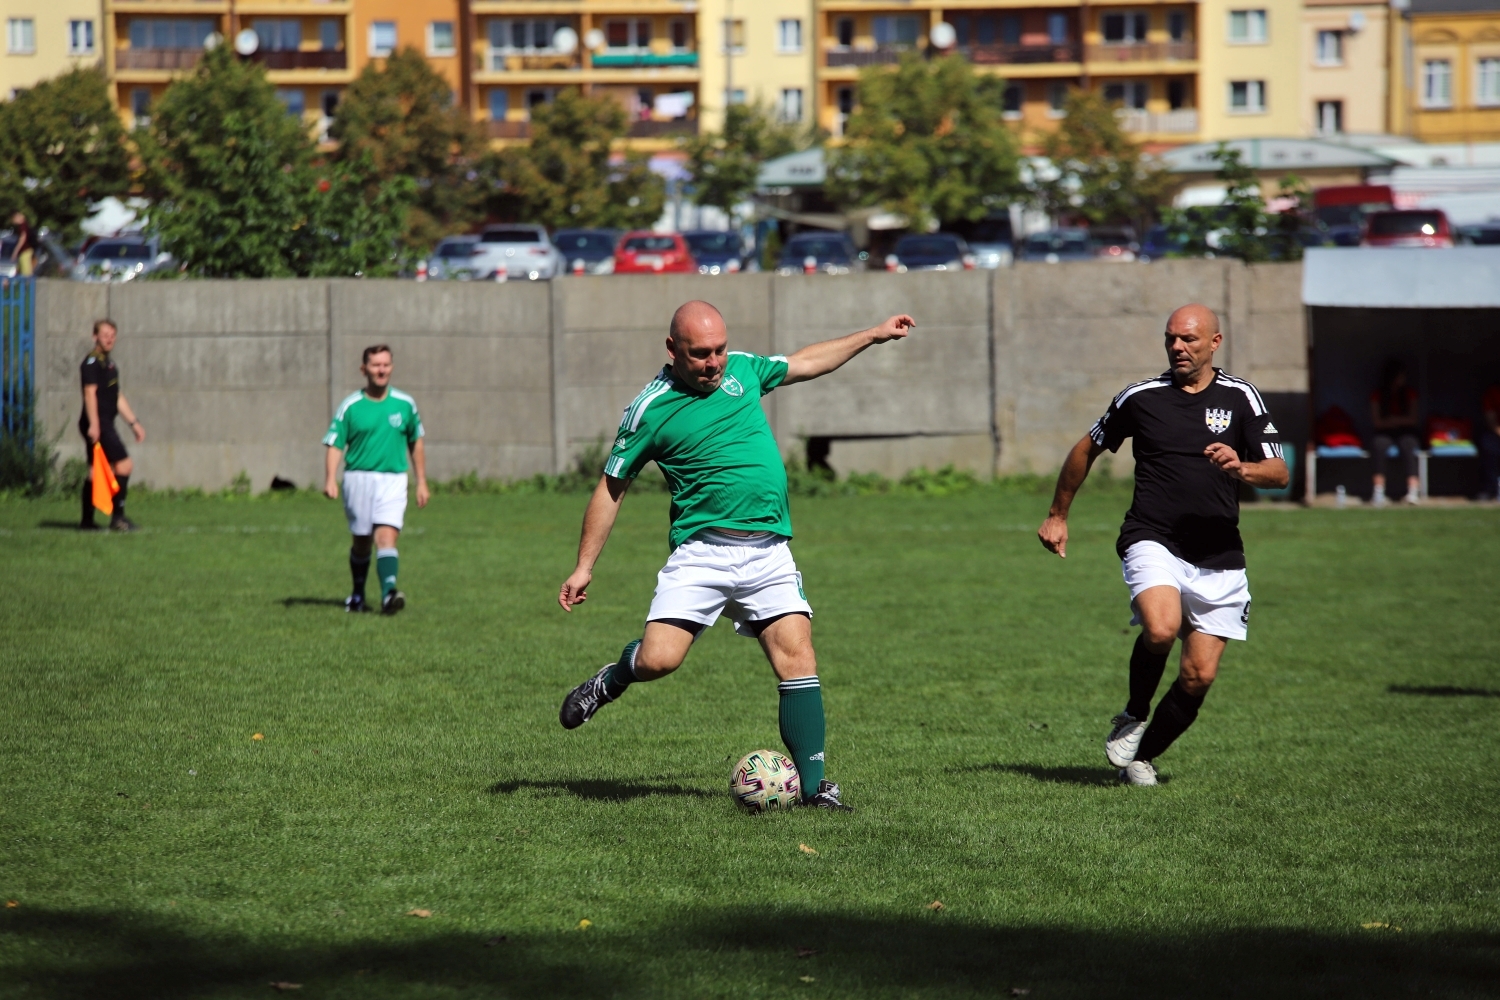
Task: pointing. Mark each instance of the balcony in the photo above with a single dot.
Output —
(885, 55)
(501, 61)
(161, 59)
(632, 60)
(1144, 52)
(295, 59)
(637, 130)
(1183, 121)
(993, 55)
(509, 130)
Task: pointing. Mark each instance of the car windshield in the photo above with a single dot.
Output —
(1057, 243)
(927, 246)
(990, 231)
(714, 242)
(1484, 235)
(1111, 237)
(511, 236)
(596, 243)
(651, 243)
(1404, 223)
(455, 248)
(823, 249)
(7, 247)
(118, 251)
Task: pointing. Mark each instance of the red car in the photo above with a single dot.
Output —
(1420, 227)
(644, 252)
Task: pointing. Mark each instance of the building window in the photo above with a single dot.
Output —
(789, 34)
(140, 105)
(1177, 94)
(1010, 101)
(844, 31)
(1437, 83)
(535, 37)
(681, 40)
(624, 35)
(80, 38)
(169, 33)
(277, 35)
(1330, 48)
(1057, 29)
(537, 96)
(1247, 97)
(1247, 27)
(1177, 25)
(440, 39)
(899, 30)
(1129, 94)
(382, 38)
(294, 100)
(1330, 117)
(330, 103)
(735, 96)
(984, 27)
(734, 36)
(1057, 98)
(790, 108)
(499, 104)
(1124, 28)
(846, 100)
(1010, 29)
(20, 36)
(1487, 82)
(328, 34)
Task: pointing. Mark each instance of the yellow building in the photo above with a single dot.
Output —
(44, 38)
(1445, 71)
(1251, 80)
(757, 52)
(1344, 82)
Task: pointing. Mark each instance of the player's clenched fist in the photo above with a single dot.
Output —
(574, 589)
(893, 329)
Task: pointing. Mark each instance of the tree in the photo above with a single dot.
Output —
(928, 140)
(62, 148)
(237, 191)
(1240, 226)
(402, 118)
(1101, 174)
(565, 177)
(725, 164)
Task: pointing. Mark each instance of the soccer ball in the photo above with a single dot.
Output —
(765, 779)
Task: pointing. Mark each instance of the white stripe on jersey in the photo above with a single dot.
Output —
(349, 401)
(1257, 405)
(1272, 449)
(631, 419)
(1096, 432)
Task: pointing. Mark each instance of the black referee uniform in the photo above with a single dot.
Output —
(99, 370)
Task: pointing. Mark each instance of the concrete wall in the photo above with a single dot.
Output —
(1004, 372)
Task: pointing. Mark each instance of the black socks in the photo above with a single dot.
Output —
(1145, 674)
(86, 494)
(359, 569)
(1176, 712)
(119, 514)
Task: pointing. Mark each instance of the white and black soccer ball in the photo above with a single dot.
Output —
(764, 780)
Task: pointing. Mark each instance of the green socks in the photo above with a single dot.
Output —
(623, 675)
(385, 569)
(802, 729)
(359, 569)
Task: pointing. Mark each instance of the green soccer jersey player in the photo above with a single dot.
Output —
(701, 421)
(373, 430)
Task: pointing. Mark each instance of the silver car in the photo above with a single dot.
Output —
(453, 259)
(121, 258)
(521, 251)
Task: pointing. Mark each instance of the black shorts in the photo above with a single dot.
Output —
(114, 448)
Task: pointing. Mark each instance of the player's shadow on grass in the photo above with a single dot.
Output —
(1052, 775)
(59, 525)
(764, 950)
(317, 602)
(600, 790)
(1442, 691)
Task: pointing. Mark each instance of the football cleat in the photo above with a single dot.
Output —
(122, 523)
(586, 699)
(355, 603)
(826, 797)
(1139, 772)
(392, 602)
(1124, 739)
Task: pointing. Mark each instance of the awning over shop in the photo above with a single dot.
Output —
(1369, 277)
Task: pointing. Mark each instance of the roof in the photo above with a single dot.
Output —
(1400, 278)
(808, 168)
(1274, 154)
(1453, 6)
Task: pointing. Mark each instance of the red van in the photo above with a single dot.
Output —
(1416, 227)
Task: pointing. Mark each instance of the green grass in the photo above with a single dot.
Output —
(417, 762)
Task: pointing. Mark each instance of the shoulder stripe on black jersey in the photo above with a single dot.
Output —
(1164, 379)
(1257, 405)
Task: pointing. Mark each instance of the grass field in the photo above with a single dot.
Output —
(1331, 826)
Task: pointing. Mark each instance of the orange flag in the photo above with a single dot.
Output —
(105, 483)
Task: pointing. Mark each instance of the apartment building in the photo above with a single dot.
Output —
(44, 38)
(1344, 81)
(1445, 70)
(758, 52)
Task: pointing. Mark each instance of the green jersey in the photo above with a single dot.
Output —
(716, 449)
(375, 433)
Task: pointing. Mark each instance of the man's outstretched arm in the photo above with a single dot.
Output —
(1054, 530)
(598, 519)
(820, 359)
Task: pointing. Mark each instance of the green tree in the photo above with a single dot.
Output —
(238, 193)
(1240, 226)
(928, 140)
(62, 147)
(1102, 175)
(401, 118)
(565, 177)
(725, 164)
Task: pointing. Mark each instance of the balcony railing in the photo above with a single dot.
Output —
(511, 62)
(989, 55)
(637, 130)
(1180, 122)
(1144, 52)
(509, 130)
(157, 58)
(620, 60)
(882, 56)
(294, 59)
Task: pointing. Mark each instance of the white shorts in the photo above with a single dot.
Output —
(746, 579)
(372, 498)
(1214, 601)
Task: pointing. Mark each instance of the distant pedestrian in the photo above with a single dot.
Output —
(1393, 411)
(102, 401)
(24, 252)
(1489, 443)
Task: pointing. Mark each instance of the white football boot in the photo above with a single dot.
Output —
(1125, 732)
(1139, 772)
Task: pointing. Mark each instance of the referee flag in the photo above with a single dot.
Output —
(105, 483)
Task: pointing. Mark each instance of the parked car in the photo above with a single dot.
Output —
(827, 252)
(1056, 245)
(523, 251)
(932, 252)
(1422, 227)
(1116, 243)
(645, 252)
(1158, 244)
(453, 259)
(1486, 234)
(594, 247)
(121, 258)
(717, 252)
(991, 241)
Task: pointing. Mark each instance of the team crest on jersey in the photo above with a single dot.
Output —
(732, 386)
(1217, 420)
(395, 419)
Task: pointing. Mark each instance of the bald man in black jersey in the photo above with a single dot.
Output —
(1198, 433)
